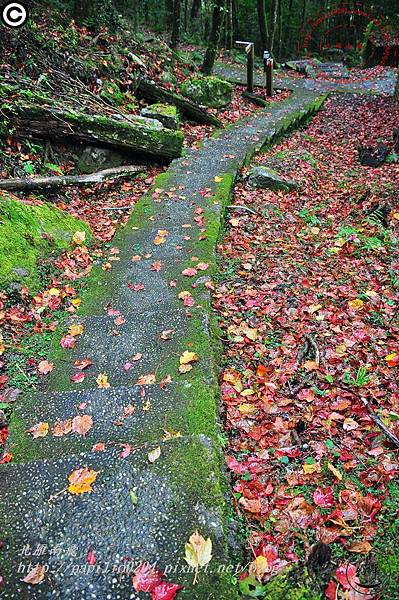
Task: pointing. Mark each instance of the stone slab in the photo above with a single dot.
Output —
(156, 412)
(110, 347)
(178, 494)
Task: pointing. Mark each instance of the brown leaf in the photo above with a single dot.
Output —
(35, 576)
(81, 424)
(39, 430)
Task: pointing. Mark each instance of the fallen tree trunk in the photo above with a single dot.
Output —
(133, 134)
(153, 92)
(40, 183)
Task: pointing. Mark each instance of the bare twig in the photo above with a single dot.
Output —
(372, 414)
(241, 207)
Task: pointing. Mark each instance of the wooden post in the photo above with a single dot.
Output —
(269, 77)
(250, 67)
(268, 68)
(250, 52)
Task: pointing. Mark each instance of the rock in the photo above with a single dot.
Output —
(263, 178)
(165, 113)
(396, 139)
(21, 272)
(95, 159)
(209, 91)
(373, 157)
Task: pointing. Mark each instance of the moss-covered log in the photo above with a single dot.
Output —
(155, 93)
(133, 134)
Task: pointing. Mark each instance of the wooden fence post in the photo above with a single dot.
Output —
(250, 52)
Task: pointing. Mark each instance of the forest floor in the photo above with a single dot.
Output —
(308, 304)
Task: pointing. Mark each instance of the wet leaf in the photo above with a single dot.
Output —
(154, 454)
(35, 575)
(40, 430)
(81, 480)
(146, 578)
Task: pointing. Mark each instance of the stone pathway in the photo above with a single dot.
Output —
(137, 511)
(330, 77)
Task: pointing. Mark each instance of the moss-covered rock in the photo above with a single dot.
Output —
(209, 91)
(31, 232)
(165, 113)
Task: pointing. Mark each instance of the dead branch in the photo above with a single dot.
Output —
(37, 183)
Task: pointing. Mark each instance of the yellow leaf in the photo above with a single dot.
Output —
(75, 330)
(40, 430)
(335, 471)
(247, 392)
(170, 434)
(185, 368)
(2, 347)
(218, 179)
(80, 481)
(234, 378)
(102, 381)
(198, 552)
(309, 469)
(188, 357)
(154, 454)
(76, 302)
(54, 292)
(79, 237)
(356, 304)
(314, 308)
(247, 409)
(259, 567)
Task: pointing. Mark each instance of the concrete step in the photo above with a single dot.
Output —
(180, 407)
(177, 495)
(110, 347)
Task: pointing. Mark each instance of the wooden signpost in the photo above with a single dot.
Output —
(250, 52)
(268, 68)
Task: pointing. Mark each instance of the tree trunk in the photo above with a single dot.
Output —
(273, 20)
(132, 134)
(176, 24)
(195, 9)
(212, 50)
(264, 33)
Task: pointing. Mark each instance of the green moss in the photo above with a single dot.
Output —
(29, 232)
(209, 91)
(164, 109)
(111, 92)
(292, 584)
(137, 134)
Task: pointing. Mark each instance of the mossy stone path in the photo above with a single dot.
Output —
(184, 490)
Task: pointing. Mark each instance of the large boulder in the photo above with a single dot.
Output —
(266, 178)
(165, 113)
(209, 91)
(96, 159)
(29, 235)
